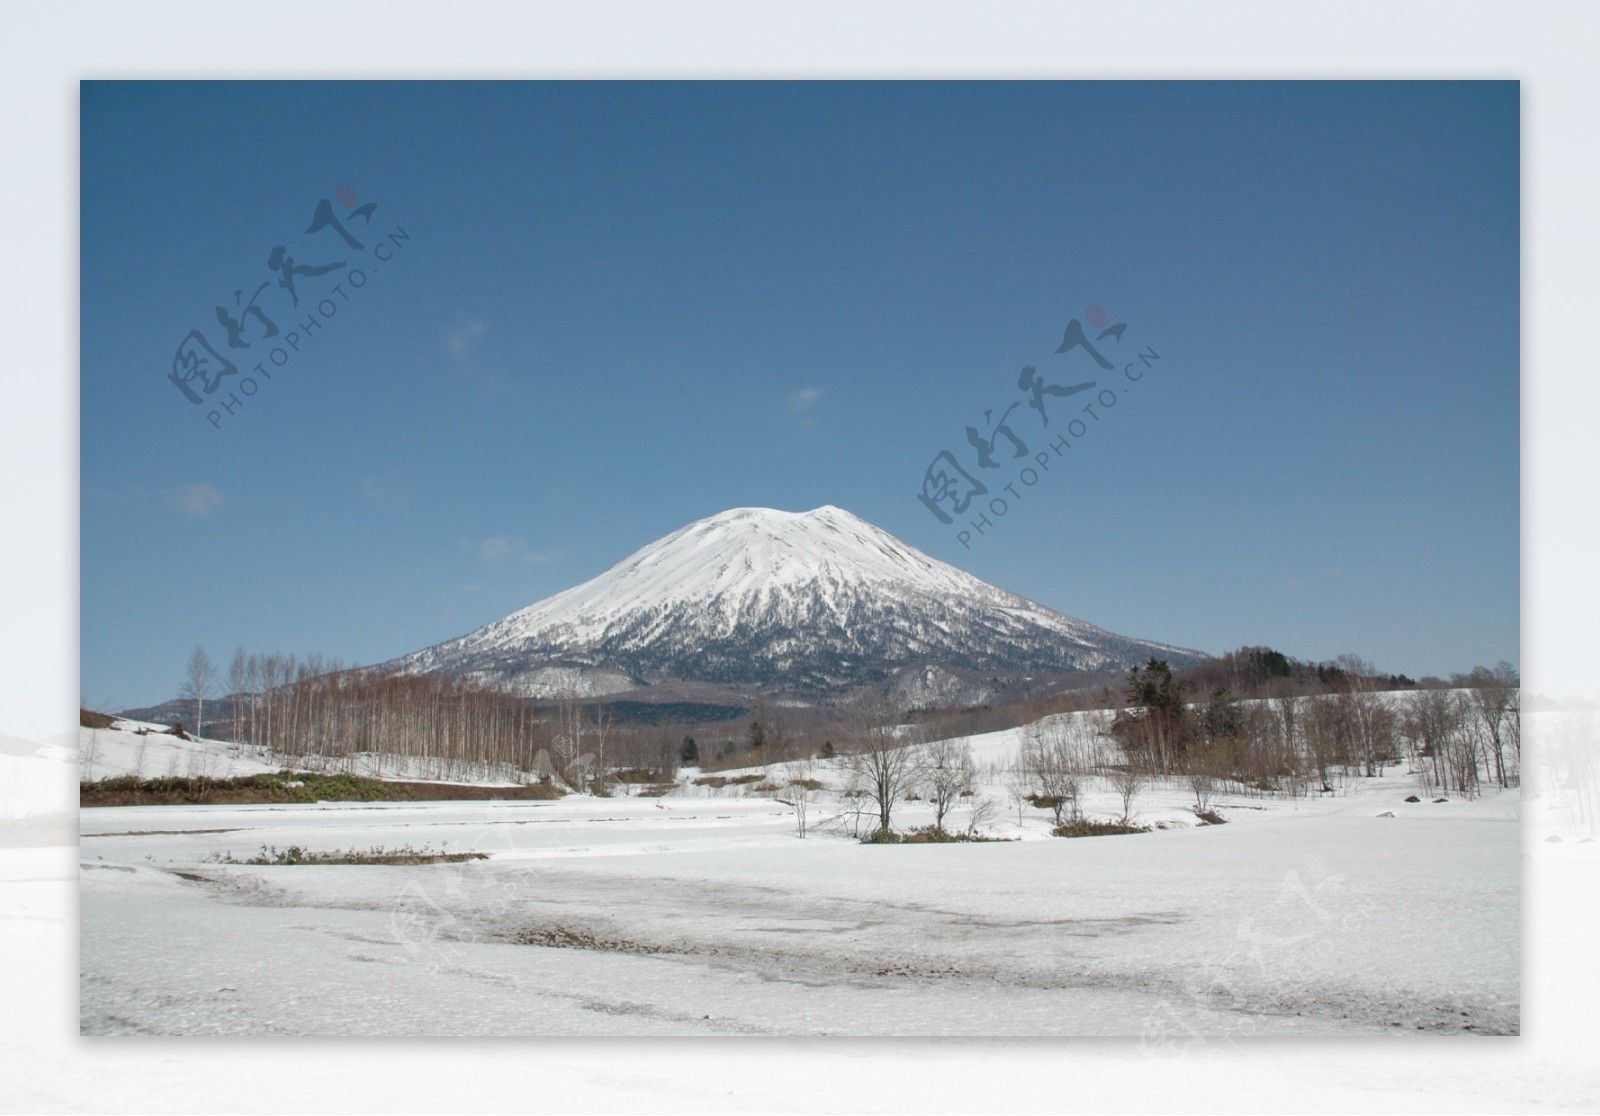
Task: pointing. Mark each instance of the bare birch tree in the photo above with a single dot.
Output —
(238, 678)
(1492, 693)
(198, 681)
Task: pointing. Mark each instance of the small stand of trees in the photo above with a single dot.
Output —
(1455, 735)
(1057, 758)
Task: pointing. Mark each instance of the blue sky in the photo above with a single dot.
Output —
(625, 306)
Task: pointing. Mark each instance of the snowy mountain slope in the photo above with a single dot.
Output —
(817, 600)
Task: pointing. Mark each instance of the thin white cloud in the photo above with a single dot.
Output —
(803, 400)
(496, 548)
(463, 332)
(200, 498)
(501, 547)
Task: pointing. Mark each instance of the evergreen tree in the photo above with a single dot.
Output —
(1155, 727)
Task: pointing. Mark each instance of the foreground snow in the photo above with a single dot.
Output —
(706, 915)
(1550, 1069)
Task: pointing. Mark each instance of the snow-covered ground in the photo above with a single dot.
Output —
(704, 913)
(178, 969)
(150, 752)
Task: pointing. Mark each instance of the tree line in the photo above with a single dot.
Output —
(320, 713)
(1267, 724)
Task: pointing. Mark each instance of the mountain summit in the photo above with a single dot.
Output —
(817, 601)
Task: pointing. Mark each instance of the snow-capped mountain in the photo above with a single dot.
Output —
(818, 600)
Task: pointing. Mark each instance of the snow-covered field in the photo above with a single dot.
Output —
(704, 914)
(215, 946)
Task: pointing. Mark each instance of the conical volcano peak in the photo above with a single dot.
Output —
(819, 600)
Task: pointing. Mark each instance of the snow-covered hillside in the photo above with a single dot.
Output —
(149, 751)
(820, 599)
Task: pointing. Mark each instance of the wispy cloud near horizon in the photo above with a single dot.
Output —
(499, 548)
(201, 498)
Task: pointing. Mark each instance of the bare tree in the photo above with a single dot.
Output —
(567, 746)
(1019, 788)
(198, 681)
(853, 800)
(980, 812)
(1514, 728)
(884, 761)
(1056, 757)
(773, 739)
(1127, 781)
(1442, 729)
(1432, 721)
(601, 721)
(1492, 693)
(255, 686)
(1327, 737)
(1203, 782)
(1287, 715)
(238, 676)
(272, 673)
(1286, 705)
(798, 793)
(88, 752)
(948, 773)
(1370, 720)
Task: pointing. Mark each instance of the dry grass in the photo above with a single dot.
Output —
(1083, 827)
(404, 855)
(287, 786)
(716, 782)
